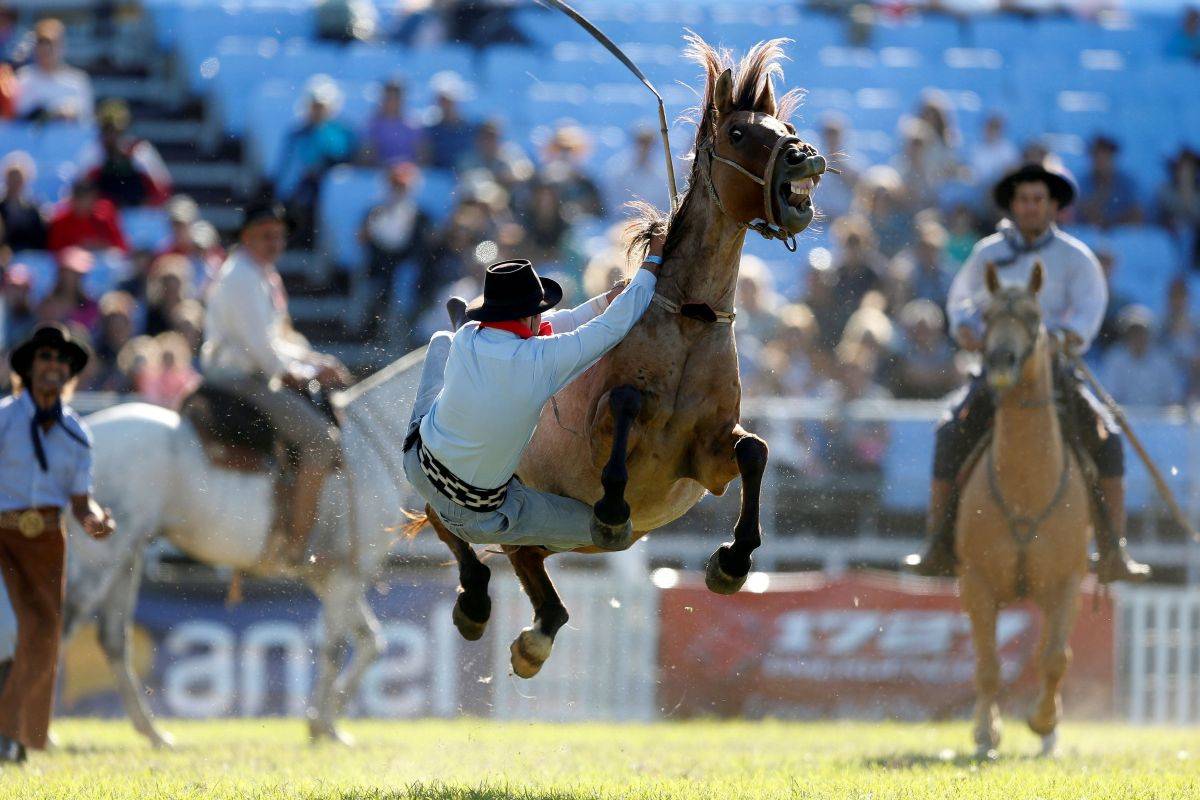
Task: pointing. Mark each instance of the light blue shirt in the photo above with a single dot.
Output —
(497, 383)
(1074, 292)
(22, 482)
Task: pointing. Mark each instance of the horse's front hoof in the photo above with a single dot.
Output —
(985, 753)
(612, 537)
(717, 579)
(1049, 747)
(470, 629)
(162, 741)
(319, 732)
(529, 652)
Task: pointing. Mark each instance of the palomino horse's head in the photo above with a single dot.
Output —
(748, 157)
(1012, 328)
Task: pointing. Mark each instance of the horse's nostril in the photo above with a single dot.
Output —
(794, 157)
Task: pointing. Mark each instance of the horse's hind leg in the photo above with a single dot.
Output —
(473, 608)
(981, 606)
(728, 567)
(343, 609)
(610, 516)
(115, 618)
(1054, 656)
(532, 647)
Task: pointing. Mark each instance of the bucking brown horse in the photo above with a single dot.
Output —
(1025, 520)
(652, 426)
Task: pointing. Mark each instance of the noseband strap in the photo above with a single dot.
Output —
(767, 228)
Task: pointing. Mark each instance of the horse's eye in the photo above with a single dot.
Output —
(735, 135)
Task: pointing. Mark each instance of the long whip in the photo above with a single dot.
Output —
(611, 47)
(1160, 482)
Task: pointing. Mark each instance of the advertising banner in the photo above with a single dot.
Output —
(198, 657)
(864, 645)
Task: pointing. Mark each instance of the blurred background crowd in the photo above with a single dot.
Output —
(122, 177)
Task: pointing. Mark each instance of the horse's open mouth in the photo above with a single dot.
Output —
(794, 198)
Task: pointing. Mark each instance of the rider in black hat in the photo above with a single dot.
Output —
(45, 467)
(1073, 298)
(481, 393)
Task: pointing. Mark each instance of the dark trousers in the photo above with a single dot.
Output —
(33, 573)
(972, 410)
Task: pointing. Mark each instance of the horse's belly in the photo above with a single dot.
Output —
(224, 516)
(664, 509)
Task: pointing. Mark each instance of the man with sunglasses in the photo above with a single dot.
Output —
(45, 468)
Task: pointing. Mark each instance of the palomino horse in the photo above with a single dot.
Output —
(151, 470)
(652, 426)
(1024, 519)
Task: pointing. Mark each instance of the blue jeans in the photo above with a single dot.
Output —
(527, 517)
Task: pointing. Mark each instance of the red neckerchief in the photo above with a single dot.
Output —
(519, 329)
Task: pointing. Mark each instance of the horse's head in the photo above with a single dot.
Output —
(748, 155)
(1012, 328)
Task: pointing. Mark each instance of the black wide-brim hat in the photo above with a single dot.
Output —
(1060, 186)
(513, 290)
(54, 335)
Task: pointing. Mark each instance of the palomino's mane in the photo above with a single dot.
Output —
(753, 90)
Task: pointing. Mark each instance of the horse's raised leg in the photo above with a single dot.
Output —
(532, 647)
(728, 567)
(115, 616)
(1054, 656)
(981, 607)
(611, 528)
(473, 608)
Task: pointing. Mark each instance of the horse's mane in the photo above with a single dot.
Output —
(753, 90)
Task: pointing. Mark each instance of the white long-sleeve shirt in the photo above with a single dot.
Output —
(1074, 292)
(497, 383)
(246, 327)
(66, 91)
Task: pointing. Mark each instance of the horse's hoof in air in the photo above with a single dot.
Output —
(529, 652)
(717, 579)
(612, 537)
(471, 630)
(1049, 745)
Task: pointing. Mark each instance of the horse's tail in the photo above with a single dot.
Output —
(416, 522)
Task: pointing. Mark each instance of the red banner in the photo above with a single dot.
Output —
(866, 645)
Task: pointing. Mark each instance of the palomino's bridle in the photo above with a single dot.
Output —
(768, 228)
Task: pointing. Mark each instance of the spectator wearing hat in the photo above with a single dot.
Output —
(45, 468)
(926, 367)
(24, 225)
(194, 239)
(858, 268)
(448, 134)
(837, 197)
(117, 310)
(321, 141)
(880, 198)
(252, 351)
(170, 283)
(86, 220)
(67, 301)
(1107, 195)
(127, 170)
(49, 89)
(391, 136)
(397, 234)
(563, 165)
(920, 174)
(1137, 371)
(501, 161)
(19, 315)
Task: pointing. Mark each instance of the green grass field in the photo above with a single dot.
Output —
(255, 759)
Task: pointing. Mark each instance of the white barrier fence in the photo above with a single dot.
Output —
(1158, 655)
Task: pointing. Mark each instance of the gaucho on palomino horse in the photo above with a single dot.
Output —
(261, 377)
(1073, 300)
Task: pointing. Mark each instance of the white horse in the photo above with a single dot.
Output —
(150, 470)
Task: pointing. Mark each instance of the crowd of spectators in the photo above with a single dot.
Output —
(866, 323)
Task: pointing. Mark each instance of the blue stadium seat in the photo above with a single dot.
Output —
(56, 149)
(146, 228)
(43, 270)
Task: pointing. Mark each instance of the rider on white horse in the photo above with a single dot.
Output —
(252, 351)
(482, 390)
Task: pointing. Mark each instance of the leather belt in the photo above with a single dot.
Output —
(456, 490)
(31, 522)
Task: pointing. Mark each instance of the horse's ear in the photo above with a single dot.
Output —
(723, 93)
(993, 279)
(766, 99)
(1035, 278)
